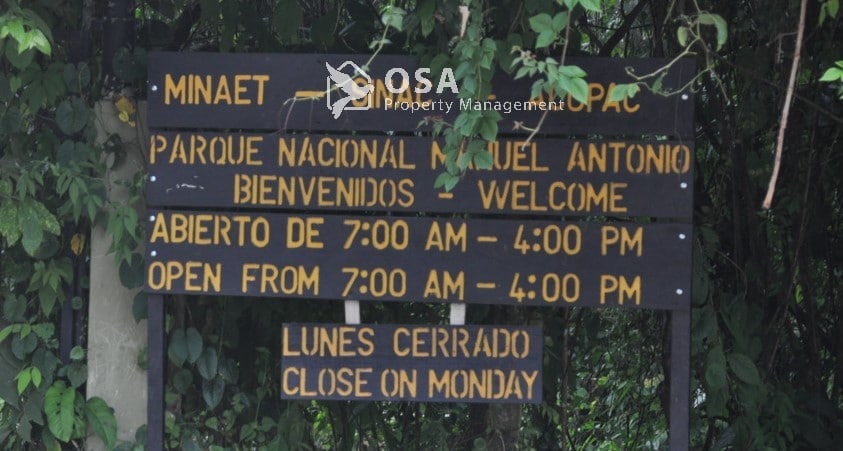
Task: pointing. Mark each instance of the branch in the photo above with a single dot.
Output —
(754, 75)
(616, 38)
(788, 98)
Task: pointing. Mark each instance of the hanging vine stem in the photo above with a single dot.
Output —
(544, 114)
(378, 47)
(788, 98)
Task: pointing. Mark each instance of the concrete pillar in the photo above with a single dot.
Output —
(114, 338)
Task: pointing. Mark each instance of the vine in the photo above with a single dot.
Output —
(55, 175)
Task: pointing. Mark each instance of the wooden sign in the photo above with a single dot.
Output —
(383, 173)
(234, 135)
(429, 363)
(487, 261)
(257, 92)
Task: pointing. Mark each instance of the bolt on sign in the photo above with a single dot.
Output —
(271, 175)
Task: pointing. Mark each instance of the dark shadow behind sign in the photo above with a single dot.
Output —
(254, 93)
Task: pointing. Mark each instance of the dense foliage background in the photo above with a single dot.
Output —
(767, 333)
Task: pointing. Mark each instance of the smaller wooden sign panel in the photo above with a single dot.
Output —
(425, 363)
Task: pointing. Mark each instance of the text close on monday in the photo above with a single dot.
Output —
(252, 193)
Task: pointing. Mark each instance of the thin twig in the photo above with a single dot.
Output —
(771, 188)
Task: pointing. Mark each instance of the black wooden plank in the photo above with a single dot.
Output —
(66, 326)
(257, 88)
(426, 363)
(383, 173)
(420, 259)
(156, 365)
(680, 379)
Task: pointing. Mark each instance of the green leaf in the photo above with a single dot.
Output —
(77, 353)
(58, 405)
(451, 183)
(19, 60)
(579, 89)
(722, 31)
(32, 409)
(657, 85)
(31, 226)
(622, 91)
(488, 129)
(194, 344)
(483, 160)
(682, 36)
(9, 225)
(131, 271)
(394, 17)
(464, 160)
(521, 72)
(50, 443)
(832, 74)
(443, 180)
(6, 332)
(14, 307)
(228, 370)
(40, 42)
(182, 381)
(36, 376)
(13, 27)
(719, 23)
(22, 347)
(47, 297)
(37, 22)
(212, 391)
(5, 185)
(45, 331)
(207, 364)
(24, 378)
(833, 7)
(744, 368)
(102, 421)
(618, 93)
(45, 218)
(715, 368)
(76, 77)
(77, 373)
(288, 18)
(72, 115)
(425, 13)
(715, 376)
(572, 71)
(139, 306)
(545, 38)
(542, 23)
(591, 5)
(559, 21)
(177, 351)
